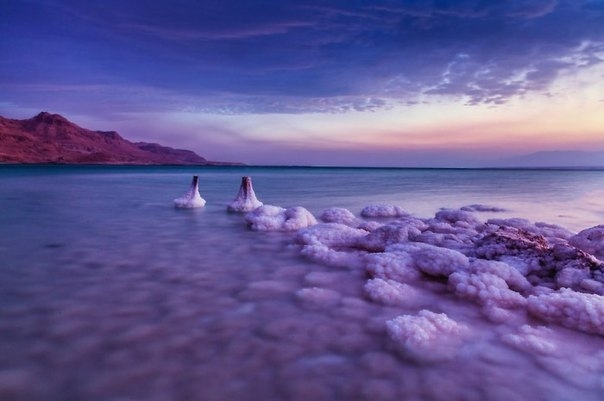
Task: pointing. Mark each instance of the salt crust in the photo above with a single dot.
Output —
(275, 218)
(339, 215)
(427, 337)
(534, 340)
(575, 310)
(383, 211)
(389, 292)
(191, 199)
(500, 264)
(482, 208)
(590, 240)
(246, 199)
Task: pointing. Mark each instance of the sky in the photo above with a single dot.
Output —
(427, 83)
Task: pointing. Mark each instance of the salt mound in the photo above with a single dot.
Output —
(512, 277)
(391, 233)
(433, 260)
(389, 292)
(383, 211)
(427, 337)
(275, 218)
(458, 217)
(191, 199)
(482, 208)
(571, 309)
(330, 234)
(338, 215)
(323, 242)
(396, 266)
(246, 200)
(590, 240)
(533, 340)
(486, 289)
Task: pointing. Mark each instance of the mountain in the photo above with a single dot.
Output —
(558, 158)
(51, 138)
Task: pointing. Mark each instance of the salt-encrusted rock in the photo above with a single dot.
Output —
(513, 278)
(590, 240)
(436, 261)
(551, 232)
(246, 200)
(389, 292)
(427, 337)
(275, 218)
(383, 211)
(397, 266)
(485, 289)
(191, 199)
(330, 234)
(510, 241)
(533, 340)
(391, 233)
(571, 309)
(538, 260)
(458, 217)
(338, 215)
(482, 208)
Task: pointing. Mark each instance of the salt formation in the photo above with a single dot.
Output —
(191, 199)
(591, 241)
(246, 200)
(505, 266)
(339, 215)
(383, 211)
(482, 208)
(571, 309)
(532, 339)
(276, 218)
(427, 337)
(389, 292)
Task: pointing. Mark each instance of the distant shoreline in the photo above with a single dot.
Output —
(241, 165)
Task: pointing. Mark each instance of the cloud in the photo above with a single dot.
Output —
(295, 57)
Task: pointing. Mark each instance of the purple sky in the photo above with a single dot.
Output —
(397, 83)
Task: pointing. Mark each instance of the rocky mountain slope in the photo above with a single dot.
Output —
(51, 138)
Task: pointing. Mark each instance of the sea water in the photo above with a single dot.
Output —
(107, 292)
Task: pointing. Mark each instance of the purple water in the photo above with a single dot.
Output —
(107, 292)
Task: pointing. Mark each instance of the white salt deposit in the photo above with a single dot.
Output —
(482, 208)
(246, 200)
(191, 199)
(533, 340)
(571, 309)
(590, 240)
(398, 266)
(436, 261)
(426, 337)
(383, 211)
(339, 215)
(276, 218)
(333, 235)
(389, 292)
(485, 288)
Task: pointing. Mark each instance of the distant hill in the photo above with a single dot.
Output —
(560, 158)
(51, 138)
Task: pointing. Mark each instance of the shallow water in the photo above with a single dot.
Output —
(109, 293)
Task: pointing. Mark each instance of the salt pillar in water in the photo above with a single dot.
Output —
(191, 199)
(246, 200)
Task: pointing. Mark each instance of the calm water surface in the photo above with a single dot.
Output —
(109, 293)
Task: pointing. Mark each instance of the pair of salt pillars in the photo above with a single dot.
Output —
(245, 201)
